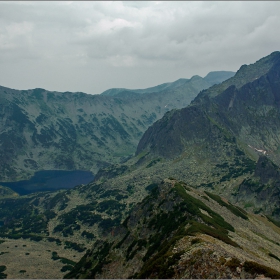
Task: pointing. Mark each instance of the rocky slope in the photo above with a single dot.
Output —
(216, 141)
(261, 192)
(247, 109)
(42, 130)
(178, 232)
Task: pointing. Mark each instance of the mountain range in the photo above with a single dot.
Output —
(43, 130)
(199, 199)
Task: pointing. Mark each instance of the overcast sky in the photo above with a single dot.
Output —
(94, 46)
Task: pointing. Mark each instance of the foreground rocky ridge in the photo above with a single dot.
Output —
(179, 232)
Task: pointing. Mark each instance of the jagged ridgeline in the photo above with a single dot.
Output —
(43, 130)
(217, 140)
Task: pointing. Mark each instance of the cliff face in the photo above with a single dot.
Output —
(261, 192)
(249, 113)
(216, 141)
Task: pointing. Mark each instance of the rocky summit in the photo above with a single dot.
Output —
(199, 199)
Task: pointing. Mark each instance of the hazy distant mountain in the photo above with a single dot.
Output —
(212, 78)
(41, 130)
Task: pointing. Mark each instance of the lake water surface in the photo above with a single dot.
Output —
(50, 180)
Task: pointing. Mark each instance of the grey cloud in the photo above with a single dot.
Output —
(120, 41)
(161, 38)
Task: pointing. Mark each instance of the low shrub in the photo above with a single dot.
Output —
(255, 268)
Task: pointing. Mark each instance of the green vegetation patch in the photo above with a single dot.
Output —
(233, 209)
(214, 226)
(82, 213)
(74, 246)
(161, 266)
(86, 263)
(253, 185)
(129, 249)
(162, 261)
(153, 162)
(220, 234)
(66, 230)
(233, 263)
(2, 269)
(241, 166)
(151, 186)
(108, 224)
(194, 205)
(66, 268)
(55, 257)
(59, 199)
(88, 235)
(277, 223)
(52, 239)
(196, 241)
(21, 214)
(110, 206)
(119, 244)
(183, 213)
(114, 193)
(255, 268)
(273, 256)
(33, 237)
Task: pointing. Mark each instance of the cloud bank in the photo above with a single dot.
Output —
(93, 46)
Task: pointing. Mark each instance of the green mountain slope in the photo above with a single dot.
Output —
(174, 231)
(210, 79)
(51, 130)
(177, 232)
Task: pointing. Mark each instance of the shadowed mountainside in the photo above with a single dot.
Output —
(177, 232)
(216, 141)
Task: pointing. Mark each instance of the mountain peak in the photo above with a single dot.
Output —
(245, 74)
(219, 76)
(196, 77)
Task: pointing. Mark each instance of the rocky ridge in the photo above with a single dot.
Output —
(178, 232)
(216, 141)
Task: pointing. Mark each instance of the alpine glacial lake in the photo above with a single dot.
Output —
(50, 180)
